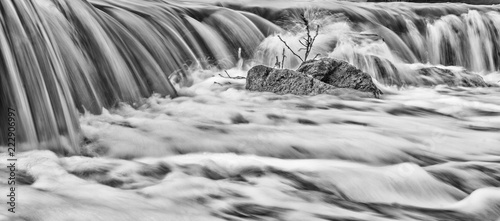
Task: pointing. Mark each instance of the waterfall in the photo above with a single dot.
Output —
(60, 58)
(396, 43)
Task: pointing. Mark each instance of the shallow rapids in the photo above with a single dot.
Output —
(131, 110)
(219, 152)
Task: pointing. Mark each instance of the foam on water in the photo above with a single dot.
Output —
(214, 154)
(424, 151)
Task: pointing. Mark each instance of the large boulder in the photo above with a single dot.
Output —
(284, 81)
(340, 74)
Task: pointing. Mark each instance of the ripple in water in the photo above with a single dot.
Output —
(204, 148)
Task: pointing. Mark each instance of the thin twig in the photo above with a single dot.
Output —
(283, 56)
(317, 32)
(229, 76)
(306, 23)
(307, 41)
(302, 43)
(290, 49)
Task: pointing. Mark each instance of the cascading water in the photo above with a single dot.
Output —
(86, 55)
(60, 56)
(393, 44)
(89, 55)
(147, 97)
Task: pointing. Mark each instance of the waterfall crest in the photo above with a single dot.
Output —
(397, 43)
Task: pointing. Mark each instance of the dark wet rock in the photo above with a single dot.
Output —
(284, 81)
(445, 76)
(339, 74)
(239, 119)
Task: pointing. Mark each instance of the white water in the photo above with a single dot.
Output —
(219, 152)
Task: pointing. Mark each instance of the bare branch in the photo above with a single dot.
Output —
(302, 43)
(293, 52)
(283, 56)
(229, 76)
(306, 23)
(277, 63)
(317, 32)
(306, 41)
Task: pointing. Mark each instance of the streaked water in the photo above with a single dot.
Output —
(129, 97)
(223, 153)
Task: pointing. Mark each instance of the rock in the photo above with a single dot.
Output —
(339, 74)
(284, 81)
(436, 75)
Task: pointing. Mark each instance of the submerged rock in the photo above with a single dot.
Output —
(284, 81)
(340, 74)
(436, 75)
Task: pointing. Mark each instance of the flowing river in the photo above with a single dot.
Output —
(125, 111)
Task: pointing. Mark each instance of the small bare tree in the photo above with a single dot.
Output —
(307, 41)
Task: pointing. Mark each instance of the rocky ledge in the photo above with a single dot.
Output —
(464, 78)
